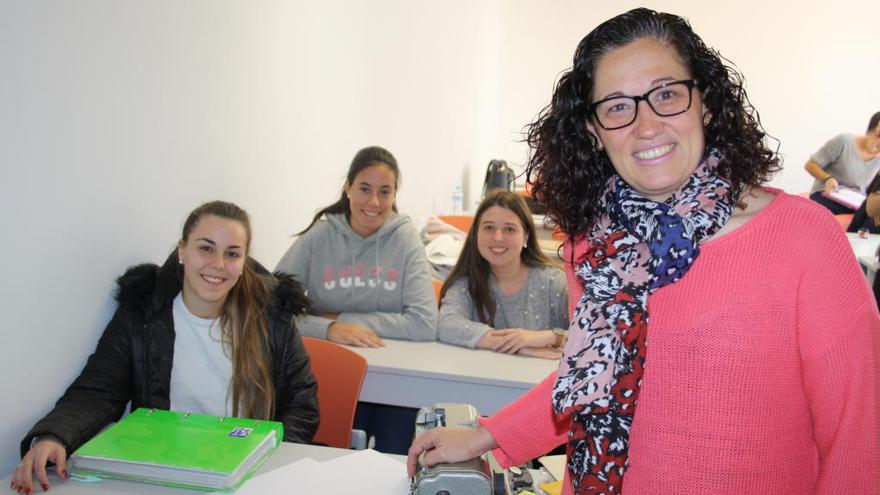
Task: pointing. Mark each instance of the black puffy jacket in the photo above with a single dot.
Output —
(134, 356)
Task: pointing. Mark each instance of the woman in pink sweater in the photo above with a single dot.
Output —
(709, 352)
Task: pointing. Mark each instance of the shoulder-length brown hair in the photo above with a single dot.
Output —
(476, 270)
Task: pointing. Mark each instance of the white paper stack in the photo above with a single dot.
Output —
(363, 471)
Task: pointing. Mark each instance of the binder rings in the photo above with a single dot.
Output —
(179, 449)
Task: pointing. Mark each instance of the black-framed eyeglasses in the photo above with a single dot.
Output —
(665, 100)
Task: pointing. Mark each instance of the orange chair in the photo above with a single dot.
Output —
(340, 373)
(438, 285)
(461, 222)
(844, 219)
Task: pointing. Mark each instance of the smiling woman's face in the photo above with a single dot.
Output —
(500, 238)
(213, 257)
(371, 198)
(655, 155)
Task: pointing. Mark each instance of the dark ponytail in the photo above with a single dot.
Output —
(367, 157)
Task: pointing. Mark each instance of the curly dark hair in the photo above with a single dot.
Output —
(567, 169)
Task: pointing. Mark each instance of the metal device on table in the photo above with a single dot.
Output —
(480, 476)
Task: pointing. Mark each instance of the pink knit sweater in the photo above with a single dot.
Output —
(761, 374)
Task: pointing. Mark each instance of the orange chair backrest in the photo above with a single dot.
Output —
(340, 373)
(438, 285)
(461, 222)
(844, 219)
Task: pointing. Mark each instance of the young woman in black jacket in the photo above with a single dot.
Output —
(210, 331)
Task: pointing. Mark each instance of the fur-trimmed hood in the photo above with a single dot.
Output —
(148, 289)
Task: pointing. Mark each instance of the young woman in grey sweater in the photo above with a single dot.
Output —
(504, 294)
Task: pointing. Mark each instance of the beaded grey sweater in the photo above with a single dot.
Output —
(541, 303)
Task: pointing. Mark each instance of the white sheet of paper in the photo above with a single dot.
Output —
(363, 471)
(277, 480)
(555, 464)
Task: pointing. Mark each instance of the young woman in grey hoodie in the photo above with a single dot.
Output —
(367, 277)
(363, 263)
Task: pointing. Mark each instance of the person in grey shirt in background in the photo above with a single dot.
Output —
(846, 160)
(504, 294)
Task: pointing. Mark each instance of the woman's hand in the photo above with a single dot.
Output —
(353, 334)
(554, 353)
(512, 340)
(47, 449)
(831, 185)
(444, 445)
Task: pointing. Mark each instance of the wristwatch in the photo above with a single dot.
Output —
(560, 337)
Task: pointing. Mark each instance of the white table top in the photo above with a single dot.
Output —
(286, 454)
(419, 374)
(436, 359)
(866, 247)
(865, 250)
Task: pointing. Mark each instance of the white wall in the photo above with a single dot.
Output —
(811, 67)
(117, 118)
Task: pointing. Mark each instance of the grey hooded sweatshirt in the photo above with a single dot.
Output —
(381, 282)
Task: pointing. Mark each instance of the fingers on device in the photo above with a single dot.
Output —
(480, 476)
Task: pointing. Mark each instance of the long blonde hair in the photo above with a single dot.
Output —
(245, 331)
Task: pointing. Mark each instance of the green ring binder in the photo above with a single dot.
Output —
(179, 449)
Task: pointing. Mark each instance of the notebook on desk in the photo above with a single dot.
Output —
(846, 197)
(179, 449)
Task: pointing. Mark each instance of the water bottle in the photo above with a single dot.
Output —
(457, 201)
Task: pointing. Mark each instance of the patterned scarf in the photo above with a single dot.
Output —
(636, 247)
